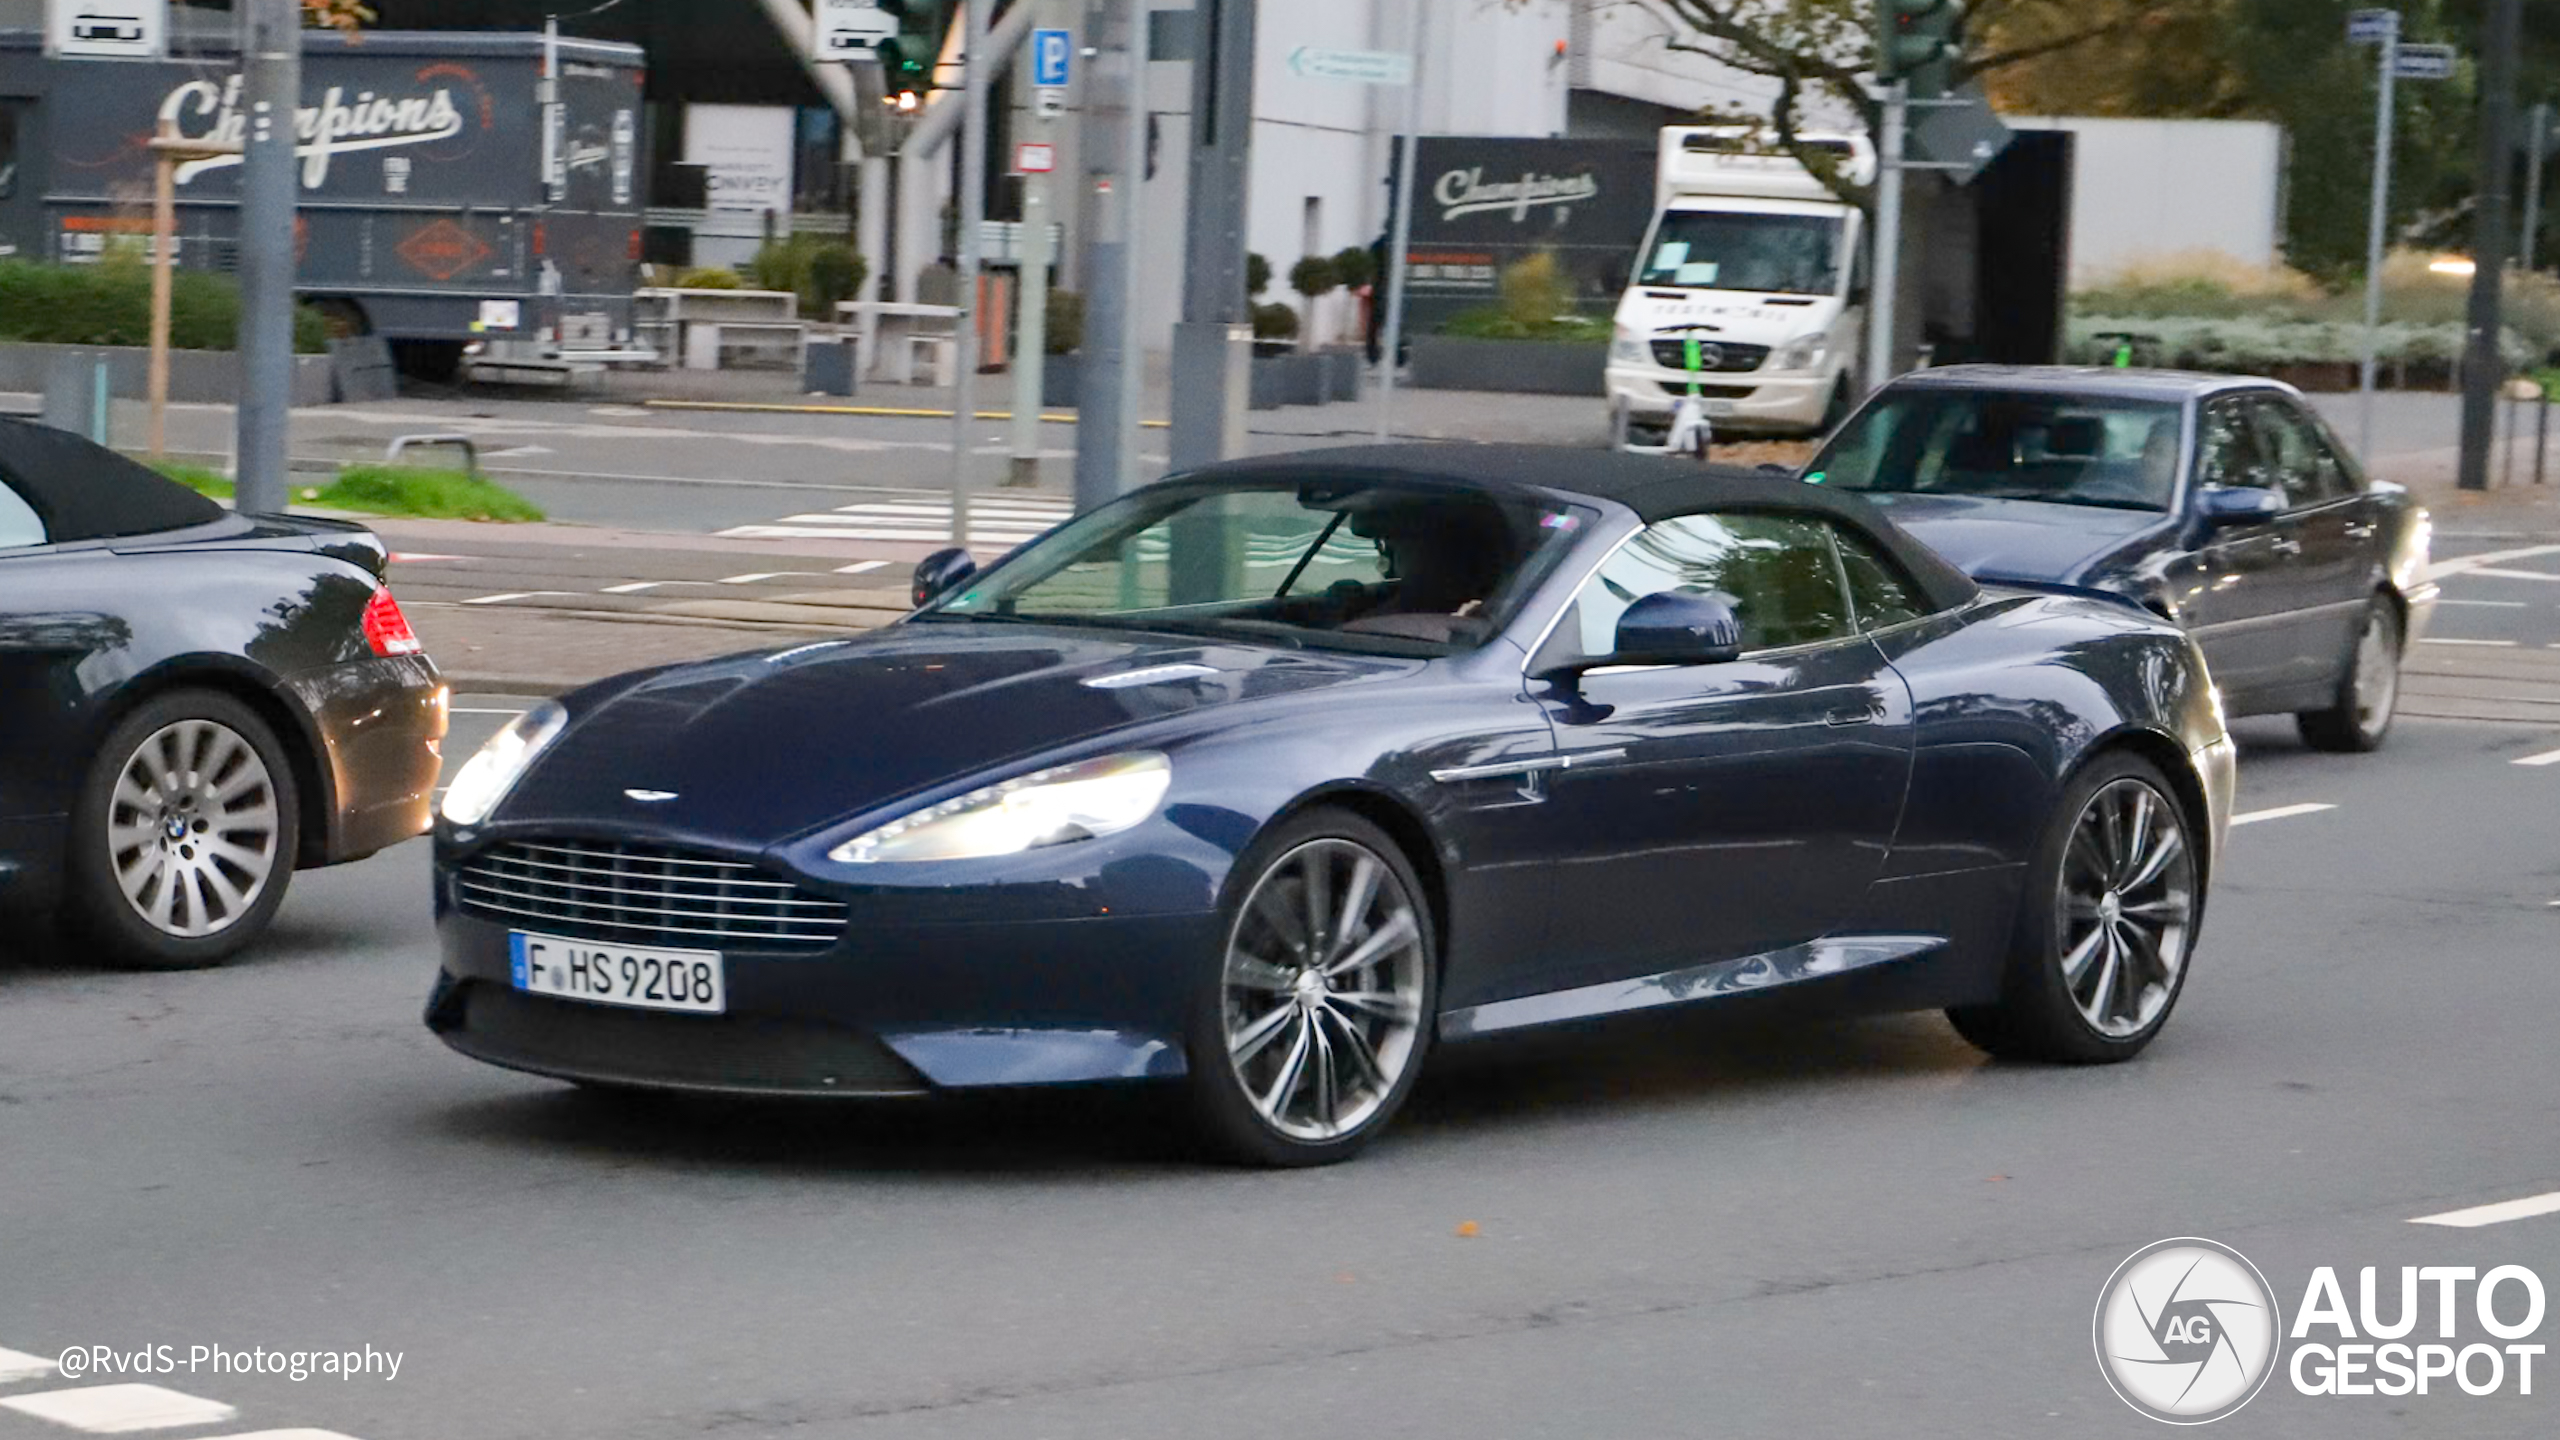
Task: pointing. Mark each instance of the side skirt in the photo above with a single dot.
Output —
(1750, 975)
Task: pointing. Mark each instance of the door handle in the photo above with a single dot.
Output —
(1849, 715)
(2361, 532)
(2286, 545)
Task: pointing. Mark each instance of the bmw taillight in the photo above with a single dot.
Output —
(385, 628)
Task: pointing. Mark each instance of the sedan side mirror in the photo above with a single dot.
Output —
(939, 572)
(2239, 505)
(1668, 628)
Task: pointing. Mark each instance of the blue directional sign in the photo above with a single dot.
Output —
(1052, 58)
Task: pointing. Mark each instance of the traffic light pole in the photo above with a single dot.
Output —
(2377, 235)
(2483, 358)
(271, 49)
(977, 80)
(1885, 295)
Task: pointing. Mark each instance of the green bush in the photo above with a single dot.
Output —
(1355, 267)
(709, 277)
(820, 269)
(1065, 323)
(2255, 345)
(1257, 275)
(1314, 276)
(1275, 321)
(1495, 324)
(109, 303)
(423, 494)
(1535, 289)
(212, 484)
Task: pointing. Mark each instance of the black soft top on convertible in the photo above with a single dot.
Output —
(83, 491)
(1654, 487)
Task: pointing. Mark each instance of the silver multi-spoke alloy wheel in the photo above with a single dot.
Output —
(2377, 683)
(1323, 987)
(193, 829)
(2127, 908)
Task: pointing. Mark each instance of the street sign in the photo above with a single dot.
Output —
(1034, 157)
(849, 30)
(2427, 62)
(1052, 58)
(2372, 27)
(1049, 104)
(1959, 136)
(1360, 67)
(107, 29)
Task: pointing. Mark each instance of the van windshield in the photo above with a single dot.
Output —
(1726, 250)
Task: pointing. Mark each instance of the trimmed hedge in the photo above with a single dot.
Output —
(109, 303)
(2252, 345)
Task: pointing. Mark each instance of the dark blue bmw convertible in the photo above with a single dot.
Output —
(1272, 778)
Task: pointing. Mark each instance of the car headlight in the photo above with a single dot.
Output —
(1083, 801)
(1626, 347)
(1805, 352)
(489, 775)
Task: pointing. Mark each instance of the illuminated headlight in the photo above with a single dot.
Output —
(489, 775)
(1626, 347)
(1806, 352)
(1083, 801)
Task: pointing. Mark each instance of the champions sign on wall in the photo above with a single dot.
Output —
(1488, 203)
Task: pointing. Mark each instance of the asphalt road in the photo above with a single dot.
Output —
(1710, 1226)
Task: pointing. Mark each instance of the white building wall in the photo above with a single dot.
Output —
(2148, 189)
(1623, 48)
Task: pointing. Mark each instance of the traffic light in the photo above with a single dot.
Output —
(1920, 41)
(907, 61)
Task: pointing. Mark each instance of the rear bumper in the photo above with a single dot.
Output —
(381, 727)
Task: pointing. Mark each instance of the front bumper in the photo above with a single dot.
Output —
(907, 1000)
(2218, 769)
(1749, 400)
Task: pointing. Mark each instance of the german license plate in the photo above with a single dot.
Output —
(1717, 407)
(690, 980)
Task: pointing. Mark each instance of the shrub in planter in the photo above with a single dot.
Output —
(820, 269)
(1257, 276)
(1275, 321)
(709, 277)
(1355, 267)
(1313, 278)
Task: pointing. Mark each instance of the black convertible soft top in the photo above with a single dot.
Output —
(87, 492)
(1654, 487)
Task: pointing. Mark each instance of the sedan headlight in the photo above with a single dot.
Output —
(1082, 801)
(1626, 347)
(489, 775)
(1805, 352)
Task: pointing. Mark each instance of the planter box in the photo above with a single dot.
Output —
(196, 377)
(1524, 367)
(1288, 380)
(1062, 382)
(1345, 372)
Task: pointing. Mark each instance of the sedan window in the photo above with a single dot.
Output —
(2300, 457)
(2011, 445)
(20, 526)
(1778, 573)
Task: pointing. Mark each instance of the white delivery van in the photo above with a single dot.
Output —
(1755, 258)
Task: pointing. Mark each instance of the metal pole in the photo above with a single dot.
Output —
(1031, 338)
(1883, 324)
(2483, 362)
(1391, 334)
(164, 241)
(2529, 236)
(1211, 353)
(271, 52)
(2541, 435)
(2507, 462)
(977, 78)
(2377, 234)
(1114, 161)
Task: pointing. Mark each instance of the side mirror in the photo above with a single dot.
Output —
(939, 572)
(1669, 628)
(2238, 505)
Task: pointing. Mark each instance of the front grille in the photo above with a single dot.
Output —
(1711, 392)
(644, 895)
(1720, 358)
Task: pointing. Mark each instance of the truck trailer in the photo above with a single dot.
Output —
(441, 202)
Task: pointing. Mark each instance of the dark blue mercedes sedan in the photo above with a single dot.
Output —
(1271, 778)
(2221, 503)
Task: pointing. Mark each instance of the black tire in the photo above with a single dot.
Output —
(1229, 1121)
(208, 918)
(1835, 414)
(2368, 688)
(2040, 1014)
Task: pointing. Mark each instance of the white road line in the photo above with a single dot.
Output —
(637, 586)
(862, 567)
(2484, 604)
(2514, 575)
(289, 1435)
(17, 1365)
(403, 557)
(515, 595)
(119, 1409)
(2498, 1214)
(763, 575)
(2281, 812)
(2548, 758)
(2471, 564)
(2449, 640)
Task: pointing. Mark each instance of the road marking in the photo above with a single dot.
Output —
(515, 595)
(119, 1409)
(289, 1435)
(2485, 604)
(637, 586)
(2551, 758)
(2281, 812)
(2471, 564)
(2515, 575)
(404, 557)
(2448, 640)
(2498, 1214)
(763, 575)
(923, 519)
(862, 567)
(17, 1365)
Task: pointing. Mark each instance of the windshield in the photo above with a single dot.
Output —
(1724, 250)
(2066, 449)
(1340, 565)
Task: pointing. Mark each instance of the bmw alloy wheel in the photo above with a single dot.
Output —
(193, 829)
(1323, 989)
(2127, 908)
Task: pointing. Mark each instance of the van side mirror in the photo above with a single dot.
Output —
(939, 572)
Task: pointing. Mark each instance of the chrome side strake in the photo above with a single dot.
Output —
(1535, 766)
(1814, 960)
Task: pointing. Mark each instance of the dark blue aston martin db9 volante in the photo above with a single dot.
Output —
(1273, 777)
(2219, 502)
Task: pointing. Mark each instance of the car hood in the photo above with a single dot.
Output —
(761, 748)
(2016, 539)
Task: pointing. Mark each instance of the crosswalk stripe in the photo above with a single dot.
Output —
(120, 1409)
(923, 517)
(17, 1365)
